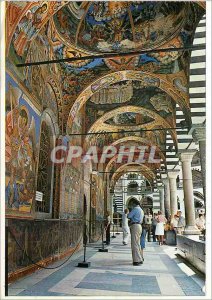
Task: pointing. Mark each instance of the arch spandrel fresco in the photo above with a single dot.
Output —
(24, 21)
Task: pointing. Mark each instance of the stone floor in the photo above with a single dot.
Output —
(112, 274)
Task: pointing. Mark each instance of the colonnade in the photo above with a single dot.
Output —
(168, 192)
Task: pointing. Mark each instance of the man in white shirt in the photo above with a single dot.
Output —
(125, 227)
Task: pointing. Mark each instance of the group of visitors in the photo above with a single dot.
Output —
(141, 226)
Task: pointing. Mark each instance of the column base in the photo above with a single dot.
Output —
(191, 230)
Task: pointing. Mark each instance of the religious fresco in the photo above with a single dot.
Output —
(120, 26)
(97, 194)
(71, 196)
(70, 191)
(24, 21)
(46, 30)
(129, 119)
(134, 94)
(22, 138)
(145, 80)
(39, 37)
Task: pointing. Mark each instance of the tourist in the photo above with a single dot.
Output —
(125, 227)
(200, 222)
(143, 241)
(107, 227)
(161, 221)
(181, 222)
(154, 224)
(136, 219)
(175, 223)
(148, 223)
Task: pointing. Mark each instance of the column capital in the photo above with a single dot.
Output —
(172, 174)
(198, 132)
(187, 154)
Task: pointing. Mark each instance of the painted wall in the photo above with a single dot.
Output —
(22, 145)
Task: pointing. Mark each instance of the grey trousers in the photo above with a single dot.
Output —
(136, 230)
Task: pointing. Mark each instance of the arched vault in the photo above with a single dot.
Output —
(148, 79)
(158, 121)
(143, 169)
(134, 139)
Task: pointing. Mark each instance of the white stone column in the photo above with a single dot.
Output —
(166, 196)
(172, 175)
(161, 193)
(186, 158)
(198, 133)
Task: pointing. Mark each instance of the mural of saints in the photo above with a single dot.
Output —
(20, 153)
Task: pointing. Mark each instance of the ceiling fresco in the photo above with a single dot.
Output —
(106, 95)
(129, 119)
(102, 139)
(132, 93)
(120, 26)
(157, 137)
(34, 32)
(158, 153)
(145, 170)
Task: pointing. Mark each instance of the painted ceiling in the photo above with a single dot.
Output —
(130, 93)
(97, 87)
(119, 26)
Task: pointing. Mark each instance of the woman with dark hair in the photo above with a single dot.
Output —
(161, 221)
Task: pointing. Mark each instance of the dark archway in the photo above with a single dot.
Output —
(147, 204)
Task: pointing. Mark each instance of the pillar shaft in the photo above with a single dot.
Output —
(162, 206)
(172, 175)
(166, 197)
(186, 158)
(198, 133)
(202, 150)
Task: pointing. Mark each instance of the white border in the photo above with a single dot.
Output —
(2, 147)
(208, 169)
(208, 149)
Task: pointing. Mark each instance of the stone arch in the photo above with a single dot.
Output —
(129, 139)
(158, 121)
(145, 171)
(45, 171)
(148, 79)
(59, 98)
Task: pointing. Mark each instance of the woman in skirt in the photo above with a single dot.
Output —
(159, 232)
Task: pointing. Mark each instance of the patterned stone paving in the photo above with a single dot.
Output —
(112, 274)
